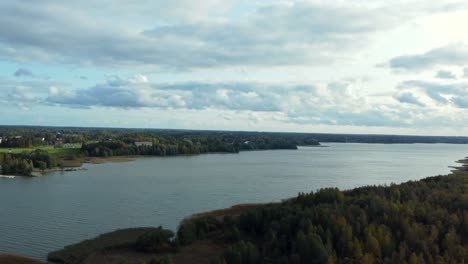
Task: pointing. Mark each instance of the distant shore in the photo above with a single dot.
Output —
(77, 164)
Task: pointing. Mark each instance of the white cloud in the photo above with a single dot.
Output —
(465, 72)
(337, 103)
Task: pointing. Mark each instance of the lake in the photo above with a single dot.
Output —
(42, 214)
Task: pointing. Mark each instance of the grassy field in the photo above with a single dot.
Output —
(60, 152)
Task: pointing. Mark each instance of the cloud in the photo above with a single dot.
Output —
(336, 103)
(445, 75)
(339, 103)
(465, 72)
(408, 98)
(184, 35)
(23, 97)
(22, 72)
(461, 101)
(453, 94)
(454, 54)
(137, 92)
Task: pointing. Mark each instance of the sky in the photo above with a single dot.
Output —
(380, 67)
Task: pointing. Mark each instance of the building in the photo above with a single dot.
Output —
(143, 143)
(58, 141)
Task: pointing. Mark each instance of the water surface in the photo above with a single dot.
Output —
(38, 215)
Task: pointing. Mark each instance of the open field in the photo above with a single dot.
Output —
(60, 152)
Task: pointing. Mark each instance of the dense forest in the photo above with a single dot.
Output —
(24, 163)
(193, 144)
(415, 222)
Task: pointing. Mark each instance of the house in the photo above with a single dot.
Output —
(58, 141)
(143, 143)
(1, 139)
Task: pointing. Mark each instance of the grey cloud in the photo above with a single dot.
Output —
(123, 93)
(445, 75)
(22, 72)
(454, 54)
(455, 94)
(408, 98)
(295, 34)
(332, 104)
(461, 101)
(465, 72)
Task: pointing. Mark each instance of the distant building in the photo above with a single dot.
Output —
(1, 139)
(143, 143)
(58, 141)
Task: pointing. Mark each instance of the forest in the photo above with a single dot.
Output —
(170, 146)
(415, 222)
(24, 163)
(25, 149)
(33, 136)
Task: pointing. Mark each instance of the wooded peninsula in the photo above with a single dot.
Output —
(24, 149)
(27, 149)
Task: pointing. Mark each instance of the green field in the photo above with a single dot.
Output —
(60, 152)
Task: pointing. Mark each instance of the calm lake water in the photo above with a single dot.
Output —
(38, 215)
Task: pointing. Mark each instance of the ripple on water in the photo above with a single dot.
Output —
(39, 215)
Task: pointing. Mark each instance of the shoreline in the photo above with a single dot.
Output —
(77, 164)
(8, 258)
(8, 176)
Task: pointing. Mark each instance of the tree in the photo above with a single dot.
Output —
(155, 241)
(42, 165)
